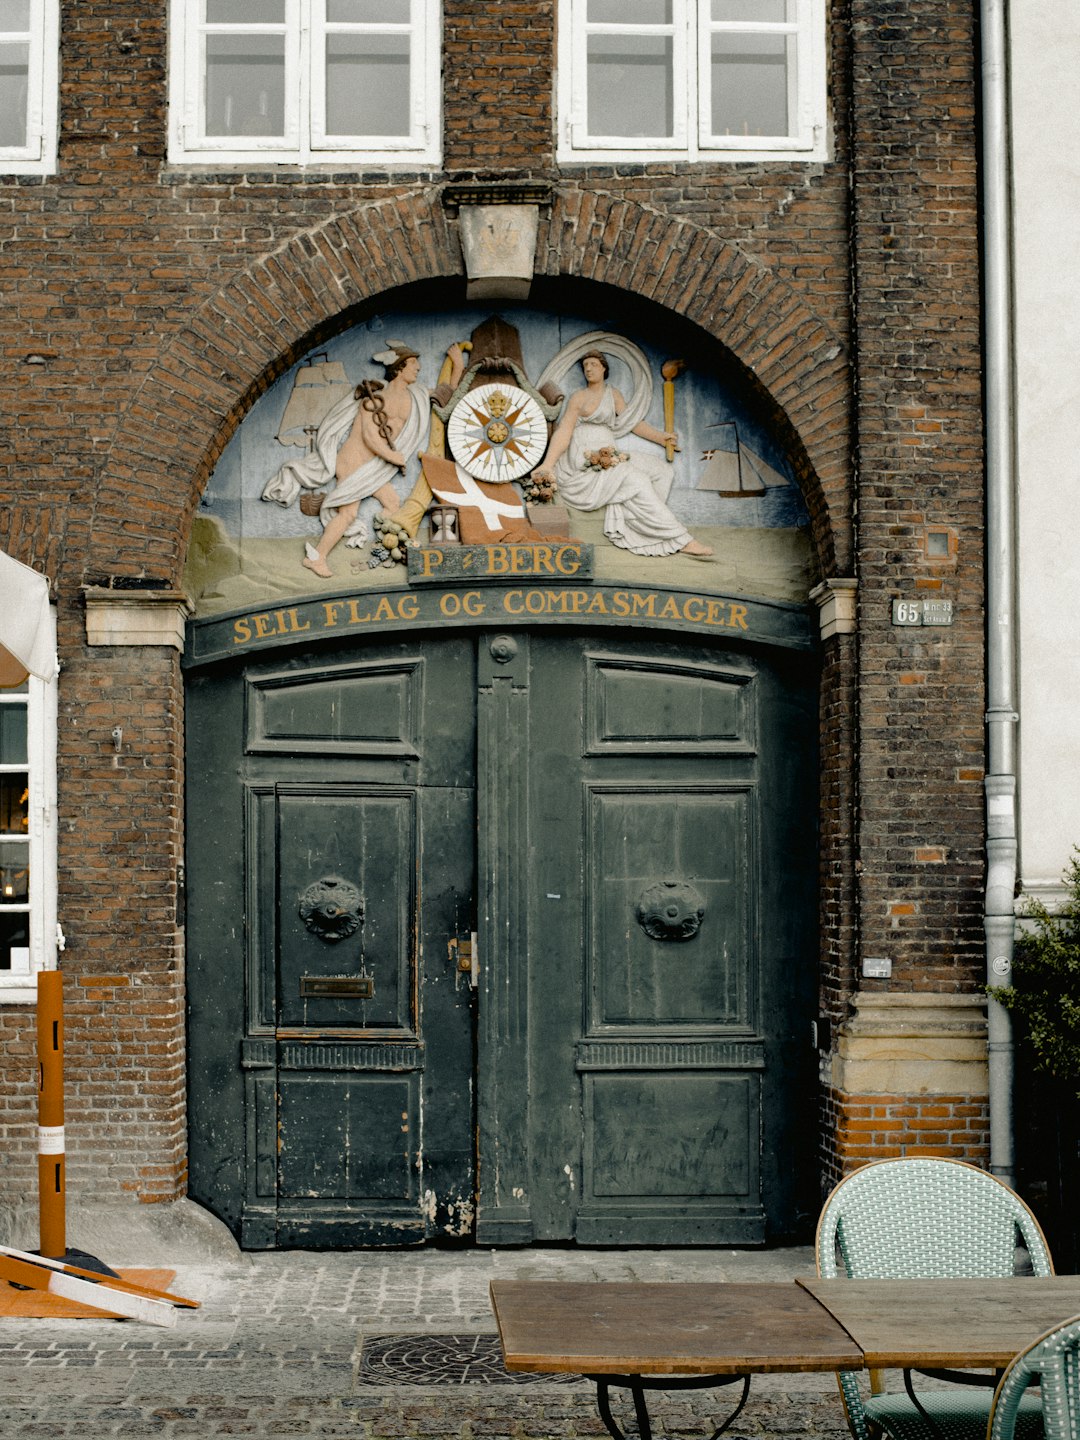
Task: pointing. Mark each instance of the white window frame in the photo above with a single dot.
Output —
(305, 28)
(691, 28)
(38, 155)
(18, 986)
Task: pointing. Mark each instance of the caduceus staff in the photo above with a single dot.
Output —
(375, 405)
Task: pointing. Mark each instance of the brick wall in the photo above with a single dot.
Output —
(120, 850)
(915, 247)
(146, 308)
(497, 88)
(838, 835)
(881, 1127)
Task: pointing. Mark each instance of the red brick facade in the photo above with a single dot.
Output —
(148, 307)
(886, 1126)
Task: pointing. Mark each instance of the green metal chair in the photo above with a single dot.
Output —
(924, 1218)
(1053, 1363)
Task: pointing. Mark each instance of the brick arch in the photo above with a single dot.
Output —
(245, 336)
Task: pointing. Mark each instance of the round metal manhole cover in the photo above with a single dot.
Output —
(442, 1360)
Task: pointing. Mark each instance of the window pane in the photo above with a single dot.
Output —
(13, 735)
(750, 84)
(770, 11)
(14, 15)
(245, 85)
(245, 12)
(629, 12)
(630, 86)
(14, 873)
(367, 85)
(14, 932)
(368, 12)
(14, 78)
(14, 805)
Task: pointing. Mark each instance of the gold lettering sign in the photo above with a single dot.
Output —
(547, 602)
(625, 605)
(466, 564)
(551, 603)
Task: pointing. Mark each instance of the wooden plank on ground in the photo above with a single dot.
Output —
(114, 1281)
(86, 1292)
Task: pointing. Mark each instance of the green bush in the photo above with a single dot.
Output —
(1045, 993)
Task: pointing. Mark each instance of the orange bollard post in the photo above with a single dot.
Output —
(50, 1043)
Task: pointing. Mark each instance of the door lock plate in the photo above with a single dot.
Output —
(465, 955)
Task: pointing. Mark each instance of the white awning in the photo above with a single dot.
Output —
(27, 629)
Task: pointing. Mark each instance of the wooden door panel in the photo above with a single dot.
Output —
(656, 857)
(331, 1089)
(351, 1137)
(364, 842)
(637, 707)
(670, 1158)
(359, 708)
(689, 1135)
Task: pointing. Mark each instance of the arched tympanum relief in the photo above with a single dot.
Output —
(463, 428)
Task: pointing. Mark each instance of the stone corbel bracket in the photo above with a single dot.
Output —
(136, 617)
(838, 605)
(498, 224)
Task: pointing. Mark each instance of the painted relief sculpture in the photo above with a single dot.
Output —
(592, 473)
(480, 429)
(496, 429)
(496, 432)
(360, 444)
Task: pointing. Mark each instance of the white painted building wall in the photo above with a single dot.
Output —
(1045, 84)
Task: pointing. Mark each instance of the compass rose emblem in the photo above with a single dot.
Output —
(497, 433)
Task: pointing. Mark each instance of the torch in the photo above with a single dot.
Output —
(669, 370)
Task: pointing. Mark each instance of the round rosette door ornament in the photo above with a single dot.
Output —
(670, 910)
(332, 908)
(497, 433)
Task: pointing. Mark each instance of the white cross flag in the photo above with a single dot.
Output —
(486, 512)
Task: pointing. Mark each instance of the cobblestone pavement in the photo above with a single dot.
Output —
(276, 1347)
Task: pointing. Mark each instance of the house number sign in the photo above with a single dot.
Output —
(922, 612)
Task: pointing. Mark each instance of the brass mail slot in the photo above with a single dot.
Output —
(360, 987)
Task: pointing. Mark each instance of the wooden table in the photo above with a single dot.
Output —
(946, 1324)
(665, 1337)
(944, 1327)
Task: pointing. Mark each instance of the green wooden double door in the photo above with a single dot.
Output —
(506, 937)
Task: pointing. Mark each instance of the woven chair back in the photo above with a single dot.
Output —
(1052, 1363)
(925, 1218)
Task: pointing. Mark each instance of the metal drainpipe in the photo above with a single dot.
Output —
(1001, 716)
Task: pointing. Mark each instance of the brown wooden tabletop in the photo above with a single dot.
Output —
(616, 1328)
(947, 1324)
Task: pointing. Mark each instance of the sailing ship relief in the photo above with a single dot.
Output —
(732, 469)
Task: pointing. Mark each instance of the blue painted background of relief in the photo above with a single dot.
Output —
(709, 413)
